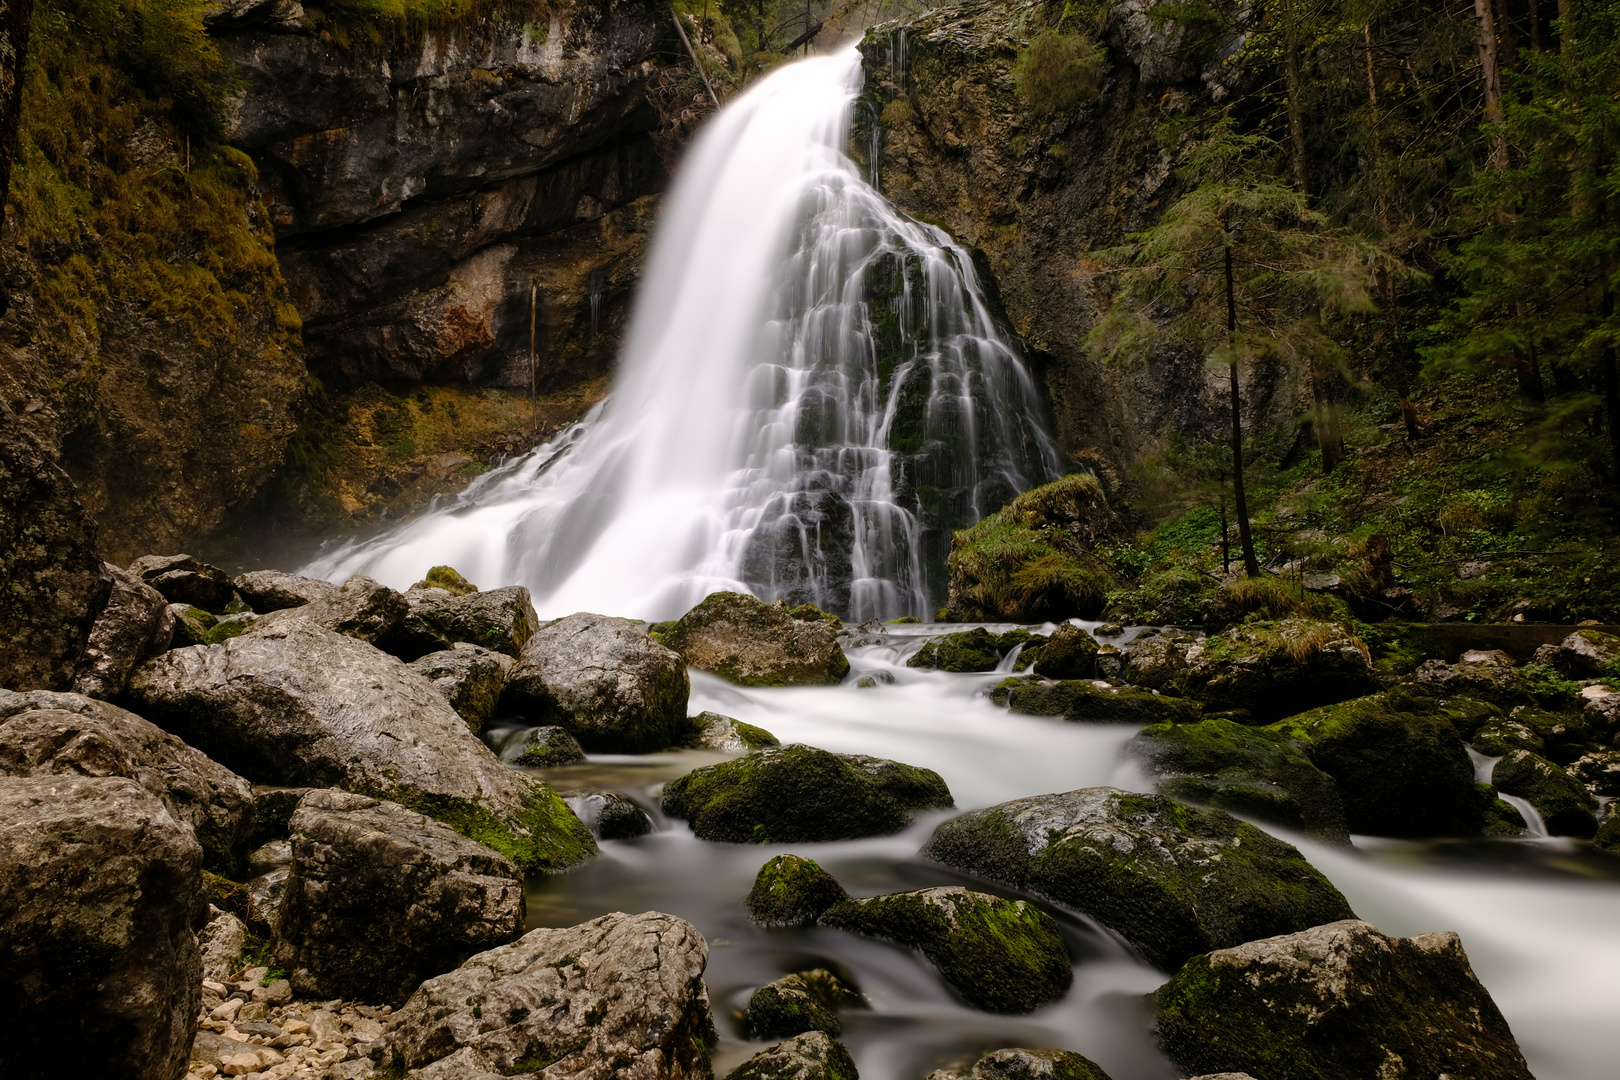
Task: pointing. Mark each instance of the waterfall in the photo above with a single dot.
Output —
(812, 395)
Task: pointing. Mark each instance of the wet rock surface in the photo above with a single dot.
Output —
(135, 623)
(99, 891)
(1017, 1063)
(501, 620)
(605, 680)
(970, 650)
(790, 890)
(271, 590)
(612, 815)
(1004, 956)
(470, 678)
(625, 989)
(1337, 1002)
(800, 793)
(798, 1003)
(749, 642)
(362, 609)
(546, 747)
(811, 1056)
(1173, 880)
(1069, 653)
(712, 731)
(381, 897)
(300, 705)
(1563, 802)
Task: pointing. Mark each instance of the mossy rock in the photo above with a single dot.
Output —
(1278, 669)
(798, 793)
(1566, 737)
(751, 643)
(811, 1056)
(971, 650)
(1562, 801)
(1069, 653)
(1608, 832)
(791, 890)
(1173, 880)
(446, 578)
(1254, 772)
(1503, 736)
(1080, 700)
(1502, 819)
(1401, 767)
(797, 1003)
(191, 625)
(549, 747)
(544, 836)
(1020, 1063)
(811, 614)
(1336, 1002)
(712, 731)
(1005, 956)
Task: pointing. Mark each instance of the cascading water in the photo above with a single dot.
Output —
(813, 395)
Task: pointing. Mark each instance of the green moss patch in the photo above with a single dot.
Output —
(544, 836)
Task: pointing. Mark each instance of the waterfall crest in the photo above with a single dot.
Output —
(812, 395)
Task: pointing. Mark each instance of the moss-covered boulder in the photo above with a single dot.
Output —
(799, 793)
(1503, 736)
(746, 641)
(1069, 653)
(1158, 660)
(1004, 956)
(1250, 771)
(1336, 1002)
(1487, 676)
(791, 890)
(1585, 654)
(548, 747)
(1031, 560)
(605, 680)
(1018, 1063)
(1278, 669)
(712, 731)
(448, 579)
(1401, 767)
(797, 1003)
(1173, 880)
(1077, 699)
(971, 650)
(811, 1056)
(611, 815)
(1563, 802)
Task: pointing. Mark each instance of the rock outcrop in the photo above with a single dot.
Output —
(99, 891)
(799, 793)
(381, 897)
(301, 705)
(605, 680)
(618, 997)
(1173, 880)
(43, 734)
(1337, 1002)
(746, 641)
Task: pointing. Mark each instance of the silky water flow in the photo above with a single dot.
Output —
(812, 394)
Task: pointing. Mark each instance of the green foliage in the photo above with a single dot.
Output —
(1057, 71)
(1546, 687)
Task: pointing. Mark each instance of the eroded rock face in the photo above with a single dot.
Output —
(44, 734)
(1005, 956)
(501, 620)
(300, 705)
(1173, 880)
(99, 890)
(1017, 1063)
(1337, 1002)
(469, 677)
(363, 609)
(621, 996)
(811, 1056)
(135, 623)
(605, 680)
(271, 590)
(749, 642)
(381, 897)
(800, 793)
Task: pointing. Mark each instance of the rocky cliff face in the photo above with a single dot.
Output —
(431, 190)
(960, 147)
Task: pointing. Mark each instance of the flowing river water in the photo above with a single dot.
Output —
(812, 395)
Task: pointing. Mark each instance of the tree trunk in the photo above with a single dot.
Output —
(1240, 499)
(1328, 437)
(1296, 117)
(1491, 76)
(15, 18)
(1611, 387)
(1535, 25)
(1566, 25)
(1505, 30)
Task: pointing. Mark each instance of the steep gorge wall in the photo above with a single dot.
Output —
(958, 146)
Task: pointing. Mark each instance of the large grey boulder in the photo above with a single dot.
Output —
(811, 1056)
(798, 793)
(45, 734)
(1018, 1063)
(605, 680)
(381, 897)
(1005, 956)
(470, 677)
(1585, 654)
(99, 890)
(184, 579)
(621, 996)
(361, 608)
(744, 640)
(502, 620)
(222, 942)
(300, 705)
(1173, 880)
(135, 624)
(1337, 1002)
(271, 590)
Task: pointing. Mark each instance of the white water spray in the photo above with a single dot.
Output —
(812, 395)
